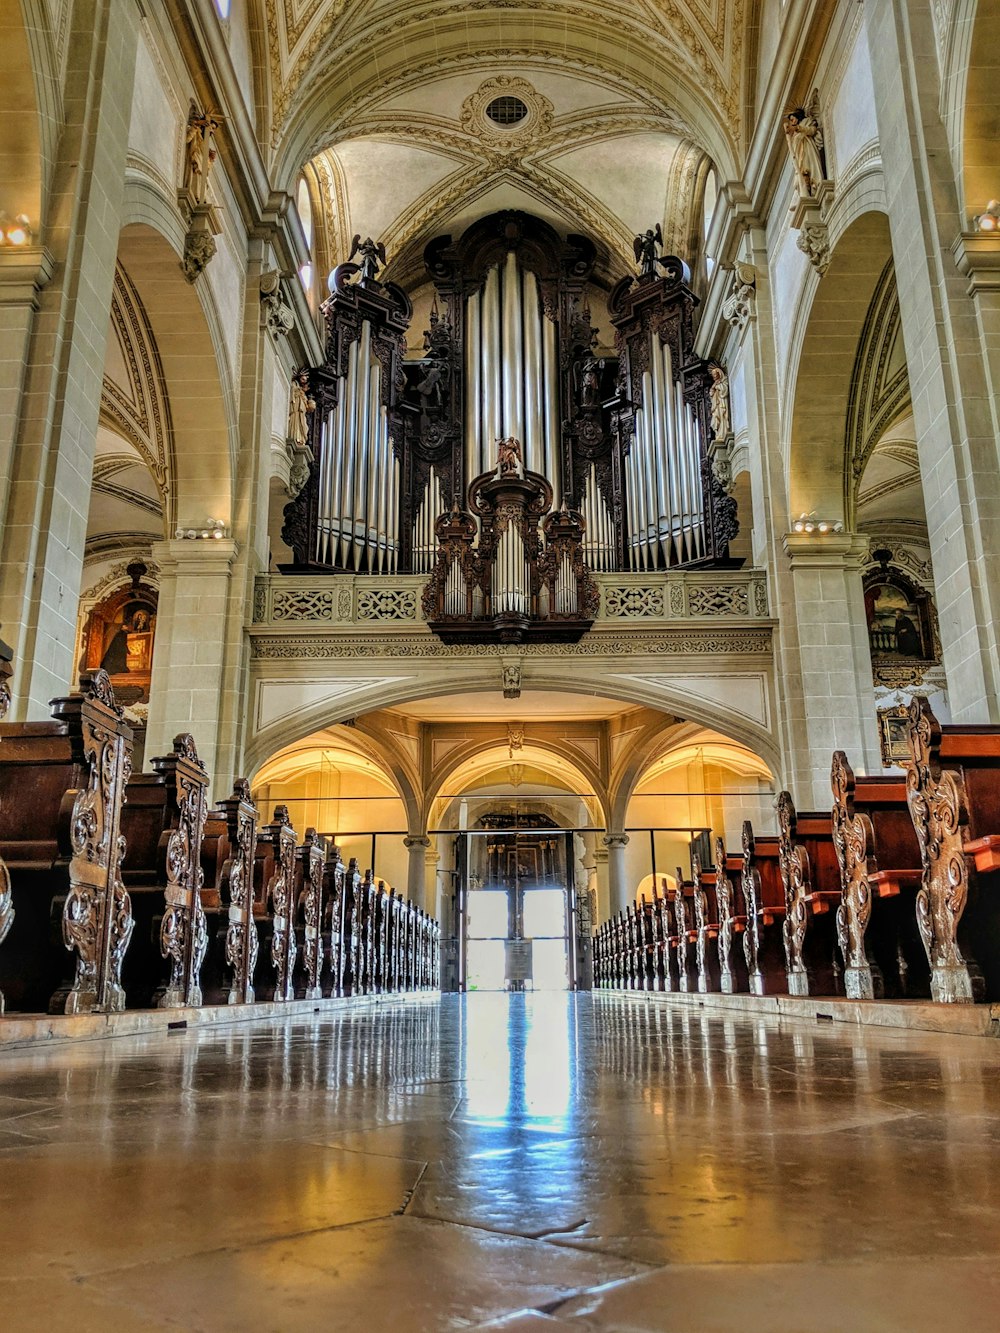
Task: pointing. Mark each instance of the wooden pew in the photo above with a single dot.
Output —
(163, 822)
(810, 876)
(706, 926)
(334, 878)
(685, 935)
(732, 918)
(647, 935)
(275, 870)
(62, 784)
(764, 896)
(953, 790)
(880, 870)
(309, 864)
(232, 908)
(6, 898)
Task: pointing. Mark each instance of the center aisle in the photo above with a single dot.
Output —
(441, 1164)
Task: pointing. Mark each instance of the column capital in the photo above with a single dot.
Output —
(24, 271)
(615, 840)
(194, 556)
(416, 840)
(825, 550)
(977, 257)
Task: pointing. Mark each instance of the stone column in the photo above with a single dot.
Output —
(837, 692)
(949, 377)
(618, 888)
(45, 520)
(417, 845)
(189, 655)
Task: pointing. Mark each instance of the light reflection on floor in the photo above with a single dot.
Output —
(434, 1165)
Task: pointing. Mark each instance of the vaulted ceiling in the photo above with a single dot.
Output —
(626, 99)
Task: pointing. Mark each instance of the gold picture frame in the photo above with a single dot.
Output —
(893, 737)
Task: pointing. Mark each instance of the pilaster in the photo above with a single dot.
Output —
(189, 657)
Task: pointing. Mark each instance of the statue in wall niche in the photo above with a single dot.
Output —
(301, 405)
(372, 256)
(200, 152)
(509, 460)
(589, 380)
(718, 397)
(804, 138)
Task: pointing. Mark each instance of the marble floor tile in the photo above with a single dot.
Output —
(546, 1162)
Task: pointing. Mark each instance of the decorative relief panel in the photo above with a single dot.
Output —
(301, 604)
(387, 604)
(634, 602)
(721, 599)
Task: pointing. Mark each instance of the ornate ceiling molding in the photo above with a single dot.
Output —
(313, 47)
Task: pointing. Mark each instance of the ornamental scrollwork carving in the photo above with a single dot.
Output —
(281, 896)
(241, 930)
(183, 929)
(681, 920)
(854, 843)
(97, 914)
(311, 902)
(750, 883)
(937, 801)
(793, 861)
(725, 899)
(701, 922)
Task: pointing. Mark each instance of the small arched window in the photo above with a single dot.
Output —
(304, 205)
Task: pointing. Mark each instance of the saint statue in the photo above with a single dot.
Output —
(804, 139)
(509, 461)
(590, 380)
(300, 405)
(718, 397)
(201, 152)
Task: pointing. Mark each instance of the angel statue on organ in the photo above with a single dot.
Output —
(372, 256)
(646, 249)
(804, 139)
(509, 462)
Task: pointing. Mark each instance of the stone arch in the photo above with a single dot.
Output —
(668, 694)
(382, 60)
(188, 338)
(820, 382)
(576, 766)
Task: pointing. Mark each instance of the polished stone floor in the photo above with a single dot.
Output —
(542, 1163)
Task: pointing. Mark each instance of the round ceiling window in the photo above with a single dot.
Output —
(506, 111)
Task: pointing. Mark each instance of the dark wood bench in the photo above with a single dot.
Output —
(234, 912)
(62, 784)
(706, 925)
(764, 897)
(731, 910)
(881, 873)
(810, 876)
(953, 790)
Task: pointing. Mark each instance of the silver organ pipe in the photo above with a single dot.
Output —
(359, 472)
(598, 537)
(425, 543)
(664, 501)
(512, 370)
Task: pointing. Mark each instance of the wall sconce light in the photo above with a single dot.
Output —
(17, 231)
(810, 523)
(214, 528)
(990, 219)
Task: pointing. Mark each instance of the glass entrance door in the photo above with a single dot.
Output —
(517, 911)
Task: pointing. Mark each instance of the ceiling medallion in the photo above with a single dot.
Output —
(510, 132)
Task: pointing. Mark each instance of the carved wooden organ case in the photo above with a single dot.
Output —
(620, 442)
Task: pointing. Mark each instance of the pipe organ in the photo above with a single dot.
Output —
(619, 438)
